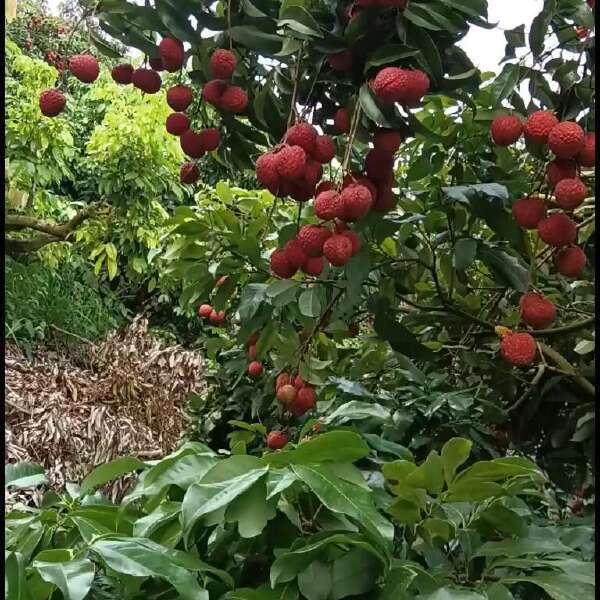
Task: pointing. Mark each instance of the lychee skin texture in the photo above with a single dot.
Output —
(213, 91)
(172, 53)
(179, 97)
(312, 238)
(280, 265)
(354, 240)
(255, 369)
(177, 123)
(558, 230)
(189, 173)
(324, 186)
(266, 172)
(337, 250)
(341, 121)
(282, 379)
(518, 349)
(587, 155)
(156, 63)
(303, 135)
(234, 100)
(313, 171)
(538, 126)
(286, 393)
(529, 211)
(388, 85)
(217, 318)
(566, 140)
(191, 144)
(329, 205)
(222, 64)
(357, 201)
(122, 74)
(506, 130)
(323, 150)
(342, 61)
(558, 170)
(306, 400)
(204, 311)
(385, 199)
(313, 266)
(294, 254)
(570, 193)
(290, 161)
(417, 85)
(52, 102)
(147, 80)
(570, 261)
(536, 310)
(387, 140)
(210, 138)
(85, 67)
(276, 440)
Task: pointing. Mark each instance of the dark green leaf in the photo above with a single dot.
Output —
(110, 471)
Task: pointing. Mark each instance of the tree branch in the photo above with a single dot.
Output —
(566, 366)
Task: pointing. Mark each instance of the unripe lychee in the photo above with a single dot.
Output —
(276, 440)
(536, 310)
(217, 318)
(558, 230)
(538, 125)
(122, 73)
(255, 369)
(209, 138)
(252, 352)
(147, 80)
(385, 200)
(323, 150)
(280, 265)
(387, 140)
(177, 123)
(529, 211)
(52, 102)
(354, 240)
(312, 238)
(341, 121)
(222, 64)
(179, 97)
(566, 139)
(213, 91)
(337, 250)
(266, 172)
(172, 54)
(357, 201)
(570, 193)
(560, 169)
(189, 173)
(294, 253)
(570, 261)
(282, 379)
(518, 349)
(191, 144)
(305, 401)
(342, 61)
(85, 67)
(205, 310)
(329, 205)
(313, 266)
(587, 155)
(303, 135)
(506, 130)
(286, 394)
(290, 161)
(234, 100)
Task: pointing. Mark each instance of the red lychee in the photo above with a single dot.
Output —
(536, 310)
(179, 97)
(306, 400)
(337, 250)
(147, 80)
(587, 155)
(388, 85)
(255, 369)
(189, 173)
(506, 130)
(518, 349)
(313, 266)
(313, 171)
(290, 161)
(416, 86)
(252, 352)
(323, 150)
(266, 172)
(222, 64)
(282, 379)
(560, 169)
(312, 238)
(122, 73)
(324, 186)
(276, 440)
(156, 63)
(357, 200)
(85, 67)
(52, 102)
(172, 54)
(299, 382)
(570, 261)
(177, 123)
(234, 100)
(385, 200)
(529, 211)
(303, 135)
(280, 265)
(209, 138)
(213, 91)
(298, 190)
(570, 193)
(329, 205)
(341, 121)
(379, 165)
(558, 230)
(387, 141)
(342, 61)
(191, 144)
(204, 311)
(217, 318)
(294, 254)
(538, 125)
(354, 240)
(566, 139)
(286, 393)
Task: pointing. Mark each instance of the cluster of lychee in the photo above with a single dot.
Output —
(255, 368)
(294, 394)
(572, 148)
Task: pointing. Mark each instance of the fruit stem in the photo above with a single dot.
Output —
(353, 129)
(295, 91)
(566, 366)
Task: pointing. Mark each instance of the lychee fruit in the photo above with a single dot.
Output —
(294, 254)
(253, 339)
(234, 100)
(570, 193)
(286, 393)
(282, 379)
(570, 261)
(122, 73)
(85, 67)
(305, 401)
(299, 382)
(506, 130)
(329, 205)
(255, 369)
(337, 250)
(276, 440)
(538, 126)
(189, 173)
(252, 352)
(313, 266)
(324, 186)
(566, 139)
(179, 97)
(222, 64)
(529, 211)
(172, 54)
(52, 102)
(354, 240)
(280, 265)
(416, 86)
(290, 161)
(266, 172)
(342, 61)
(518, 349)
(191, 144)
(303, 135)
(357, 201)
(323, 150)
(204, 311)
(558, 169)
(300, 191)
(587, 155)
(536, 310)
(147, 80)
(156, 63)
(379, 165)
(557, 230)
(313, 171)
(341, 121)
(217, 318)
(177, 123)
(312, 238)
(213, 91)
(387, 140)
(388, 85)
(209, 138)
(385, 199)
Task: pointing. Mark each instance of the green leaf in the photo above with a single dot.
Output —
(315, 581)
(370, 107)
(557, 585)
(387, 447)
(253, 38)
(497, 591)
(505, 520)
(539, 27)
(357, 410)
(298, 19)
(429, 475)
(504, 84)
(251, 298)
(429, 57)
(109, 471)
(522, 547)
(277, 288)
(309, 302)
(23, 475)
(388, 54)
(73, 578)
(506, 269)
(14, 577)
(455, 452)
(251, 510)
(354, 573)
(474, 491)
(405, 511)
(465, 251)
(452, 593)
